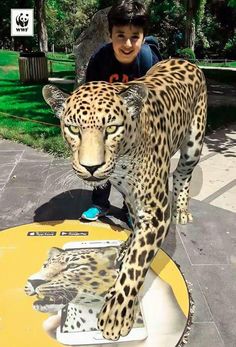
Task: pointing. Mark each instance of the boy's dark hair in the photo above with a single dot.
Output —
(128, 12)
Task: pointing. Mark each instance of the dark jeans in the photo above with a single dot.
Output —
(100, 197)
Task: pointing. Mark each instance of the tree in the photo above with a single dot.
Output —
(41, 25)
(166, 23)
(194, 14)
(232, 3)
(66, 19)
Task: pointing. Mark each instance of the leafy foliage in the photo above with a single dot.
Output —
(66, 19)
(230, 48)
(186, 53)
(166, 22)
(215, 24)
(217, 31)
(232, 3)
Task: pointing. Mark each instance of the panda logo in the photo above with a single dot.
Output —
(22, 20)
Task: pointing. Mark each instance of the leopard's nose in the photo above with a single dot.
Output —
(93, 168)
(37, 282)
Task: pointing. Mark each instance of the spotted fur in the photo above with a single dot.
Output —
(75, 281)
(80, 276)
(127, 133)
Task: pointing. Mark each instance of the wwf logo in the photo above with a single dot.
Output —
(22, 20)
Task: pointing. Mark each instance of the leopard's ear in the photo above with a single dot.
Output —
(55, 98)
(134, 97)
(55, 251)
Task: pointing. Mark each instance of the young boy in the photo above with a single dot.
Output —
(126, 58)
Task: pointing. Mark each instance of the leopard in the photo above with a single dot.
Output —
(75, 281)
(127, 133)
(71, 276)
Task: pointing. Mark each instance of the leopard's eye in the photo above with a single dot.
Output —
(73, 129)
(111, 129)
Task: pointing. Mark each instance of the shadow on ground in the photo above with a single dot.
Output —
(71, 204)
(223, 140)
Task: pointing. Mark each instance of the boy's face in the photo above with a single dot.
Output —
(126, 41)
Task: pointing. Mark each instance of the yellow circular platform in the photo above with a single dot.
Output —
(23, 249)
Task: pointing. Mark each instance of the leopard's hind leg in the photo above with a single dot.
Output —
(190, 152)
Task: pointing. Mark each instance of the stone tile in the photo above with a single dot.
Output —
(116, 198)
(31, 154)
(29, 174)
(5, 171)
(206, 152)
(222, 140)
(217, 172)
(174, 248)
(209, 239)
(205, 334)
(218, 284)
(10, 223)
(226, 200)
(9, 157)
(16, 204)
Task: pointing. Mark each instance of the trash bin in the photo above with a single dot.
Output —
(33, 67)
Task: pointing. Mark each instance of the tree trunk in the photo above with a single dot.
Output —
(41, 25)
(190, 24)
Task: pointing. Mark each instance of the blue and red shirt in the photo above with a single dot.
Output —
(103, 65)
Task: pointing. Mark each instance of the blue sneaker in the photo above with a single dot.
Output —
(94, 212)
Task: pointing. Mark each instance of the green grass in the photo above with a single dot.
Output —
(26, 101)
(62, 65)
(222, 64)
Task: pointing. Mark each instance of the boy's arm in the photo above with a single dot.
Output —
(147, 58)
(155, 58)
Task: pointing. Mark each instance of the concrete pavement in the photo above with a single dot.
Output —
(36, 186)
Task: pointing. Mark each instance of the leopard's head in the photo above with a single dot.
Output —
(99, 121)
(73, 275)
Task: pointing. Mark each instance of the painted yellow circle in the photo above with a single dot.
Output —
(23, 249)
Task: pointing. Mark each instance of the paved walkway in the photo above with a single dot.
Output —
(35, 186)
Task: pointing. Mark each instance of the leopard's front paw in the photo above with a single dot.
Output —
(181, 216)
(117, 315)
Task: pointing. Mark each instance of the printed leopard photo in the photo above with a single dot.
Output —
(71, 287)
(73, 276)
(132, 130)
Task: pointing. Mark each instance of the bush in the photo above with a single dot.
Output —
(186, 53)
(230, 48)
